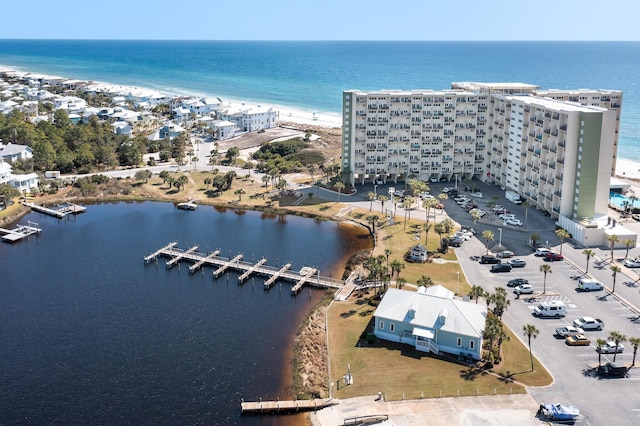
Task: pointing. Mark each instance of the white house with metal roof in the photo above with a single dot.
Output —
(431, 320)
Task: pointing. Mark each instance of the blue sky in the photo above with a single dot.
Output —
(322, 19)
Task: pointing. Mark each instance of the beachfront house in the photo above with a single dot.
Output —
(167, 132)
(23, 183)
(223, 129)
(122, 128)
(431, 320)
(249, 119)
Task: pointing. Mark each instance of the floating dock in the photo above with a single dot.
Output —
(222, 264)
(59, 210)
(20, 232)
(263, 407)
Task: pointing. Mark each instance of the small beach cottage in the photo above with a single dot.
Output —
(431, 320)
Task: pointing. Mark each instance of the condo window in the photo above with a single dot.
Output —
(392, 327)
(471, 344)
(459, 341)
(381, 325)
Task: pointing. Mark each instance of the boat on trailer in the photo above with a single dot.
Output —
(560, 412)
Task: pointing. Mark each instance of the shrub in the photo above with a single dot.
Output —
(371, 339)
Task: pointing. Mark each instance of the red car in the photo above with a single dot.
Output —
(552, 257)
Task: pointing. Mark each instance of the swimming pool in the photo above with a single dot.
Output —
(618, 200)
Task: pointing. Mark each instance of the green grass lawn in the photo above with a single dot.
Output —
(399, 371)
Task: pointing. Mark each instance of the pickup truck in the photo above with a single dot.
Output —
(588, 323)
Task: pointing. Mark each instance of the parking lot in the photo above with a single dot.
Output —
(602, 400)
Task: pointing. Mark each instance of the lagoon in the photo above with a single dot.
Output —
(89, 334)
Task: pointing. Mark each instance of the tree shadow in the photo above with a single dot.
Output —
(506, 377)
(590, 372)
(471, 373)
(632, 284)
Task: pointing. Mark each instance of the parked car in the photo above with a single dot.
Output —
(501, 267)
(553, 257)
(503, 254)
(446, 189)
(487, 258)
(524, 289)
(516, 282)
(632, 263)
(610, 348)
(517, 263)
(456, 242)
(469, 229)
(513, 222)
(568, 331)
(588, 323)
(587, 284)
(542, 251)
(462, 235)
(505, 216)
(636, 216)
(481, 213)
(613, 369)
(476, 194)
(578, 340)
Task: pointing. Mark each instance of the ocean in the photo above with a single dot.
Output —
(311, 76)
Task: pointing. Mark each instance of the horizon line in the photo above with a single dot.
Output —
(324, 40)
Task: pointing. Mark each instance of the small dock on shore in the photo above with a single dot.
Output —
(264, 407)
(20, 232)
(221, 264)
(59, 210)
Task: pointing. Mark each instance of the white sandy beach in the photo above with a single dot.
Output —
(628, 169)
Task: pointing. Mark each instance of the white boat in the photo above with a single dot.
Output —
(306, 270)
(189, 205)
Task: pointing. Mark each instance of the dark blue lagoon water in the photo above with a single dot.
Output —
(312, 75)
(91, 335)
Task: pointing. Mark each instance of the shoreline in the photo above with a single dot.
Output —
(287, 113)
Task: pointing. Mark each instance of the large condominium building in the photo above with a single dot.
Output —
(555, 148)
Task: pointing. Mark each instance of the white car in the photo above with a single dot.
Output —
(462, 235)
(610, 348)
(542, 251)
(446, 189)
(476, 194)
(569, 331)
(632, 263)
(506, 216)
(513, 222)
(523, 289)
(480, 212)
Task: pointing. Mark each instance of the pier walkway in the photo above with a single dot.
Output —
(20, 232)
(59, 210)
(308, 276)
(286, 406)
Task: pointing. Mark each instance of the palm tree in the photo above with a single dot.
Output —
(589, 253)
(491, 330)
(563, 234)
(530, 331)
(400, 282)
(614, 272)
(635, 342)
(439, 228)
(239, 193)
(425, 281)
(387, 253)
(613, 239)
(628, 243)
(501, 302)
(526, 204)
(311, 168)
(448, 225)
(600, 343)
(407, 203)
(339, 186)
(476, 292)
(371, 196)
(396, 267)
(475, 215)
(372, 220)
(266, 179)
(427, 228)
(208, 181)
(383, 199)
(617, 337)
(502, 336)
(488, 236)
(545, 269)
(429, 204)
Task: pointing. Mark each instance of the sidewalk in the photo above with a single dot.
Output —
(481, 410)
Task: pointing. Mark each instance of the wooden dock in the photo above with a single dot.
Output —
(60, 210)
(20, 232)
(179, 256)
(268, 283)
(193, 268)
(226, 265)
(157, 253)
(261, 407)
(245, 269)
(250, 271)
(296, 288)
